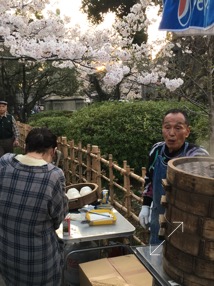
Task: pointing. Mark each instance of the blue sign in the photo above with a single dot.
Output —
(179, 15)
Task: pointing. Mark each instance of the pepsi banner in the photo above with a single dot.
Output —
(179, 15)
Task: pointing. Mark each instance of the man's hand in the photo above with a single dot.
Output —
(144, 216)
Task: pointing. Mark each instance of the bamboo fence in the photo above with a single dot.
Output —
(85, 164)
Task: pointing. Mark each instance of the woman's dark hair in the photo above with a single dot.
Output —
(175, 111)
(39, 140)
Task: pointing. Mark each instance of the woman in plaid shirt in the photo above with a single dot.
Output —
(32, 206)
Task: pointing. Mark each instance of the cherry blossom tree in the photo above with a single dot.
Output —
(33, 35)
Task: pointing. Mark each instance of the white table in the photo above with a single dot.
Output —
(80, 232)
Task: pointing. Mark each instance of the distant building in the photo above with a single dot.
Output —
(55, 102)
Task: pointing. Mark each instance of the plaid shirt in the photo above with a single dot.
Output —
(32, 206)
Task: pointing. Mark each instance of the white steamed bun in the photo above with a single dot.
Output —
(85, 190)
(73, 193)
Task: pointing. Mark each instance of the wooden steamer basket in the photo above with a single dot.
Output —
(83, 200)
(188, 254)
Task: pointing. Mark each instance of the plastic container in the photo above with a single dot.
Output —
(101, 217)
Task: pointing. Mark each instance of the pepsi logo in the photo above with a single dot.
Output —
(184, 12)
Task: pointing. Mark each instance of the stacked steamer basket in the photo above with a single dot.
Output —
(188, 251)
(82, 200)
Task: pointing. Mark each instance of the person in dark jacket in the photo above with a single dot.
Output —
(9, 133)
(33, 204)
(175, 130)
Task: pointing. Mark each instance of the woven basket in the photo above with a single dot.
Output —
(83, 200)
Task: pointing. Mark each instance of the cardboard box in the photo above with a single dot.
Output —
(124, 270)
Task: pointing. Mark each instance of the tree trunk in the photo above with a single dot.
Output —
(210, 94)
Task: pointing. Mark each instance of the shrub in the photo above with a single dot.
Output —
(58, 125)
(45, 114)
(127, 130)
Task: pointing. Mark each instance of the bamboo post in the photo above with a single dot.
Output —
(73, 168)
(58, 155)
(59, 143)
(143, 169)
(128, 193)
(88, 164)
(94, 150)
(98, 166)
(65, 156)
(80, 161)
(23, 130)
(111, 178)
(124, 175)
(143, 172)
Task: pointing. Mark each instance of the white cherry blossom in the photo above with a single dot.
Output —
(48, 37)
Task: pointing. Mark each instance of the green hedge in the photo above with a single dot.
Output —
(57, 121)
(127, 130)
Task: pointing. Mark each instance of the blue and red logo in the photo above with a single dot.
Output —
(179, 15)
(184, 12)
